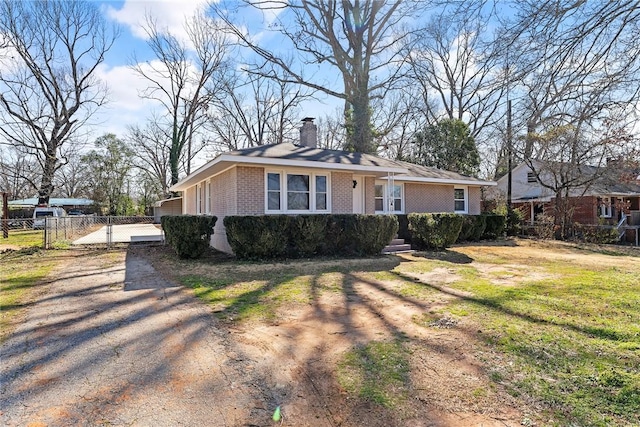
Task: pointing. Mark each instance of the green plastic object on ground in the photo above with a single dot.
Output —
(276, 414)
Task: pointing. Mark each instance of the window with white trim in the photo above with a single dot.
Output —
(273, 191)
(208, 198)
(199, 199)
(389, 201)
(460, 200)
(606, 210)
(297, 192)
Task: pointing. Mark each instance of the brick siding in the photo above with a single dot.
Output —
(341, 192)
(190, 201)
(223, 202)
(369, 195)
(428, 198)
(475, 200)
(250, 190)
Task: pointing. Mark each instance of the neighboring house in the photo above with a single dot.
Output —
(602, 202)
(302, 179)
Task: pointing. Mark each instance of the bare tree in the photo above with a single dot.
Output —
(18, 174)
(359, 39)
(73, 178)
(458, 71)
(177, 80)
(248, 110)
(578, 64)
(151, 155)
(48, 87)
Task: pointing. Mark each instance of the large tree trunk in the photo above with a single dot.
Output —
(46, 183)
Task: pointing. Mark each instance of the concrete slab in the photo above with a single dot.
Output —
(126, 233)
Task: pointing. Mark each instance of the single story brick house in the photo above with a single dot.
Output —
(303, 179)
(605, 201)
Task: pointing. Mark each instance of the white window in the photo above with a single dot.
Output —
(605, 207)
(199, 199)
(531, 177)
(379, 198)
(322, 192)
(460, 200)
(389, 201)
(297, 192)
(273, 191)
(208, 198)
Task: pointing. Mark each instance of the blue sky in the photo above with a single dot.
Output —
(126, 107)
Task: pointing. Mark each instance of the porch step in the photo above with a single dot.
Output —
(396, 246)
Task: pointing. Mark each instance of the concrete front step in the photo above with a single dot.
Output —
(396, 242)
(396, 248)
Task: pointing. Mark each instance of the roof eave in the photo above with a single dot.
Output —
(427, 180)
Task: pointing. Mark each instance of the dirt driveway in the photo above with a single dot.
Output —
(113, 343)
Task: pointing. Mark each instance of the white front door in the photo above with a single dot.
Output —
(358, 195)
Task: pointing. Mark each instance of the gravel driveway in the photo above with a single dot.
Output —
(108, 342)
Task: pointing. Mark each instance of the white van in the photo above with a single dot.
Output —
(41, 212)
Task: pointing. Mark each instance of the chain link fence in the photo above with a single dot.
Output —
(100, 231)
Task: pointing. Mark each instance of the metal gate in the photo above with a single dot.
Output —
(100, 231)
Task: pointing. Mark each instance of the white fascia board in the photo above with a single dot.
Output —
(445, 181)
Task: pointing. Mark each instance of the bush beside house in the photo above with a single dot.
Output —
(188, 235)
(434, 230)
(496, 226)
(280, 236)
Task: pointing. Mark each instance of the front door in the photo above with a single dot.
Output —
(358, 194)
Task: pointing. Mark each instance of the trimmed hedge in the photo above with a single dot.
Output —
(434, 230)
(403, 227)
(473, 227)
(188, 235)
(258, 237)
(496, 226)
(301, 236)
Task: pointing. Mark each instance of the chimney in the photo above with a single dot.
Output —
(308, 133)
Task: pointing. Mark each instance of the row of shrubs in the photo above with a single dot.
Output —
(302, 236)
(441, 230)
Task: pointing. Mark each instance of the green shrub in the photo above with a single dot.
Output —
(306, 234)
(496, 225)
(434, 231)
(514, 221)
(258, 237)
(278, 236)
(371, 233)
(473, 227)
(600, 234)
(188, 235)
(403, 228)
(338, 238)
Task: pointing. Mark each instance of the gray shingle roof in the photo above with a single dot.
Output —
(287, 154)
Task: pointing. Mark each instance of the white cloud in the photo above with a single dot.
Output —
(169, 14)
(125, 107)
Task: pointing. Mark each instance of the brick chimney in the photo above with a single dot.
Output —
(308, 133)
